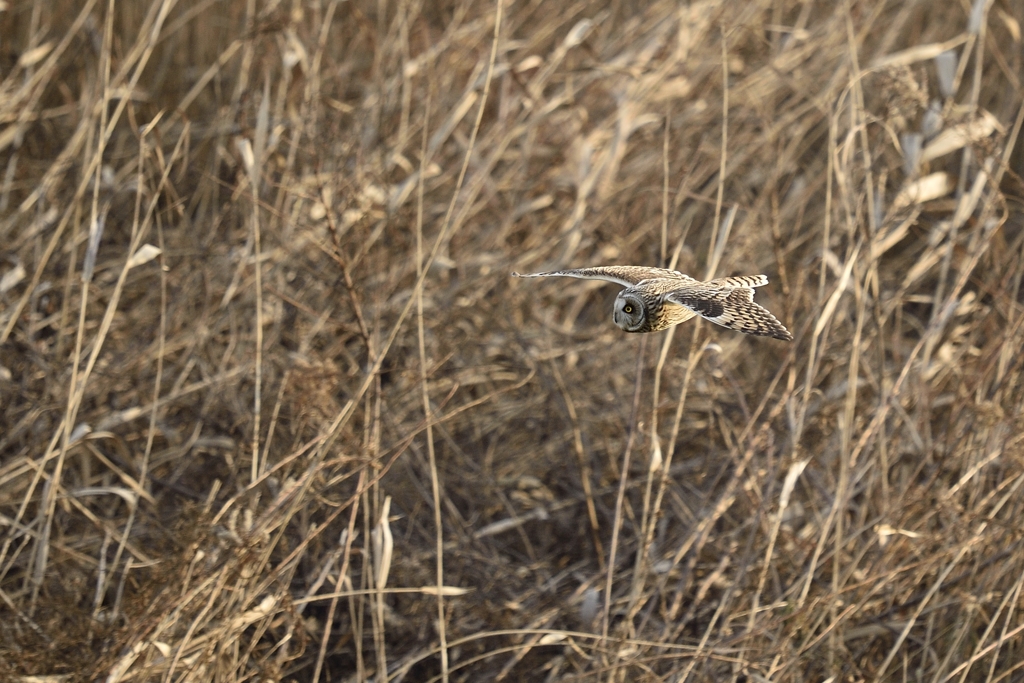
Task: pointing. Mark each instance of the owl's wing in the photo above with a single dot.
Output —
(731, 307)
(739, 281)
(627, 276)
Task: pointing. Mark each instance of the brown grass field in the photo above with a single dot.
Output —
(272, 408)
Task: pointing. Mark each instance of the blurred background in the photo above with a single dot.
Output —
(272, 408)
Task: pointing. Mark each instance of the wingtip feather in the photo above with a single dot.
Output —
(784, 335)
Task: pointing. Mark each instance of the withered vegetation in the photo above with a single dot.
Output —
(273, 409)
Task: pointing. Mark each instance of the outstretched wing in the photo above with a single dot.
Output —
(731, 307)
(739, 281)
(627, 276)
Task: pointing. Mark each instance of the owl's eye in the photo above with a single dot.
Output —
(628, 308)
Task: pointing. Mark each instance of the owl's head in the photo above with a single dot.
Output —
(630, 312)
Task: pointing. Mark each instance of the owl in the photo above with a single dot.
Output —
(656, 298)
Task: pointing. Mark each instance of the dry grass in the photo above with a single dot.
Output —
(244, 451)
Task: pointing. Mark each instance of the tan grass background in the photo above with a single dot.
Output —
(272, 408)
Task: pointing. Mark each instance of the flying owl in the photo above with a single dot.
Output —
(656, 298)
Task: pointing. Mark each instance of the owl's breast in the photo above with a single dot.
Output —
(666, 314)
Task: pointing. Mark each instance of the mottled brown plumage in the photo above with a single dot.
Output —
(656, 298)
